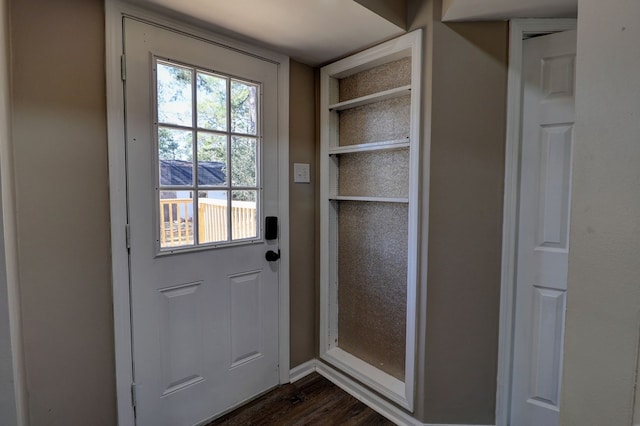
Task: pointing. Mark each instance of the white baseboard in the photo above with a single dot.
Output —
(361, 393)
(302, 370)
(366, 396)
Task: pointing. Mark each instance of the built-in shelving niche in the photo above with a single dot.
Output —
(370, 112)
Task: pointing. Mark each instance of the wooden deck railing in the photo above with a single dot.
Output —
(177, 223)
(176, 226)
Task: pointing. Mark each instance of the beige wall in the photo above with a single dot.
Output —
(302, 210)
(60, 147)
(465, 76)
(603, 304)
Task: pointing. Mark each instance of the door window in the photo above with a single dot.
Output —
(208, 150)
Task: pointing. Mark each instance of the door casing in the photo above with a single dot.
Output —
(519, 29)
(115, 10)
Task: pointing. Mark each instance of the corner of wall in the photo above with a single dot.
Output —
(392, 11)
(420, 14)
(464, 68)
(302, 149)
(8, 240)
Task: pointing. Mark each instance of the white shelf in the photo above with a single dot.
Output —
(400, 393)
(372, 199)
(370, 99)
(372, 146)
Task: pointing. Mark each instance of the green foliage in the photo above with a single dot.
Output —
(175, 107)
(175, 144)
(212, 102)
(243, 161)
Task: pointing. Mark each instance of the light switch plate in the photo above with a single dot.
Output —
(301, 173)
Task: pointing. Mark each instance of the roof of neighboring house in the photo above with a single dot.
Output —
(179, 172)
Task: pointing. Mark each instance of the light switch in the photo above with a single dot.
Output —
(301, 173)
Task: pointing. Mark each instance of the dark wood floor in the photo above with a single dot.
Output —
(312, 400)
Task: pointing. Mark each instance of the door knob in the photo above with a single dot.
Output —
(272, 256)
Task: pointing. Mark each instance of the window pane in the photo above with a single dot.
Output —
(176, 219)
(212, 102)
(243, 161)
(212, 159)
(244, 215)
(174, 94)
(175, 152)
(244, 108)
(212, 216)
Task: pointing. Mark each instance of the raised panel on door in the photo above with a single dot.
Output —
(555, 175)
(246, 317)
(546, 348)
(181, 335)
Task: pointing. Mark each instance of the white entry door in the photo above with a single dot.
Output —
(543, 235)
(202, 169)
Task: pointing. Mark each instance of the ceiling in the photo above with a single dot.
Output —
(316, 32)
(465, 10)
(310, 31)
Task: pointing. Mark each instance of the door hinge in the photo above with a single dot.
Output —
(123, 68)
(127, 230)
(134, 398)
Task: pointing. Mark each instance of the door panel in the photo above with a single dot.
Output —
(543, 233)
(246, 341)
(183, 357)
(204, 317)
(548, 321)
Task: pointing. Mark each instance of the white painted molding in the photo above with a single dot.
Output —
(302, 370)
(519, 29)
(114, 12)
(371, 399)
(283, 213)
(118, 213)
(360, 392)
(408, 45)
(383, 383)
(366, 396)
(13, 390)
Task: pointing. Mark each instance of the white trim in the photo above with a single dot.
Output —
(408, 45)
(371, 399)
(385, 384)
(115, 10)
(302, 370)
(14, 387)
(118, 211)
(370, 99)
(361, 393)
(519, 29)
(283, 212)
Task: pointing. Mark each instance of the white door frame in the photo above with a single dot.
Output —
(519, 29)
(115, 10)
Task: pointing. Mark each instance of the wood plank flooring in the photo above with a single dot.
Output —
(312, 400)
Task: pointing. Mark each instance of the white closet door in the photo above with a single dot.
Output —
(543, 234)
